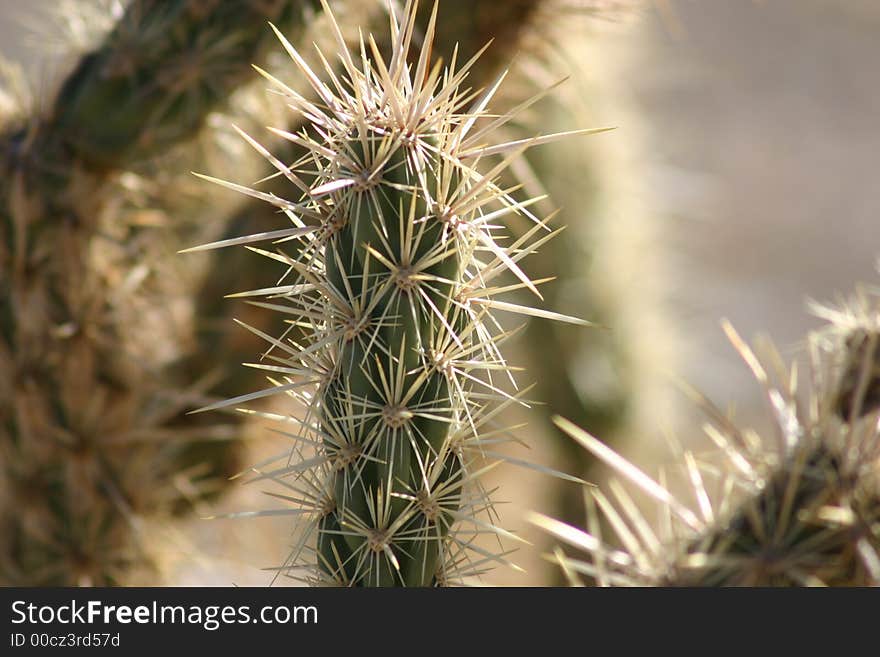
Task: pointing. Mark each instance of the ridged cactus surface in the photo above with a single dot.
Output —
(402, 256)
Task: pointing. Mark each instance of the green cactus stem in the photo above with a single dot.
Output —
(403, 251)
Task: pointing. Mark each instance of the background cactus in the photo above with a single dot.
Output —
(399, 369)
(798, 508)
(86, 458)
(612, 266)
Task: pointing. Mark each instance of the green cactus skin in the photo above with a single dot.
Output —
(799, 509)
(85, 427)
(392, 289)
(165, 66)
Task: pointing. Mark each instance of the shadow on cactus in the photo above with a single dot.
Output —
(399, 256)
(798, 508)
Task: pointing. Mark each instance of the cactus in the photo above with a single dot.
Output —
(162, 69)
(596, 261)
(466, 28)
(800, 508)
(84, 420)
(393, 290)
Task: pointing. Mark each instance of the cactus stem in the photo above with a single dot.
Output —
(391, 297)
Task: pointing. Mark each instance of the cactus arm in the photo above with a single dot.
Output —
(800, 508)
(84, 424)
(164, 67)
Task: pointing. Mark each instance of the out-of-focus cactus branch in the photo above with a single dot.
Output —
(798, 506)
(85, 455)
(163, 68)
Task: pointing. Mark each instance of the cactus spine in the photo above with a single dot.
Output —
(393, 288)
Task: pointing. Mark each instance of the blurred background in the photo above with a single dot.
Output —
(740, 182)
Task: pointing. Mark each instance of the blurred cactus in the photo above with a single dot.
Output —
(162, 69)
(610, 266)
(398, 365)
(92, 437)
(799, 508)
(468, 26)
